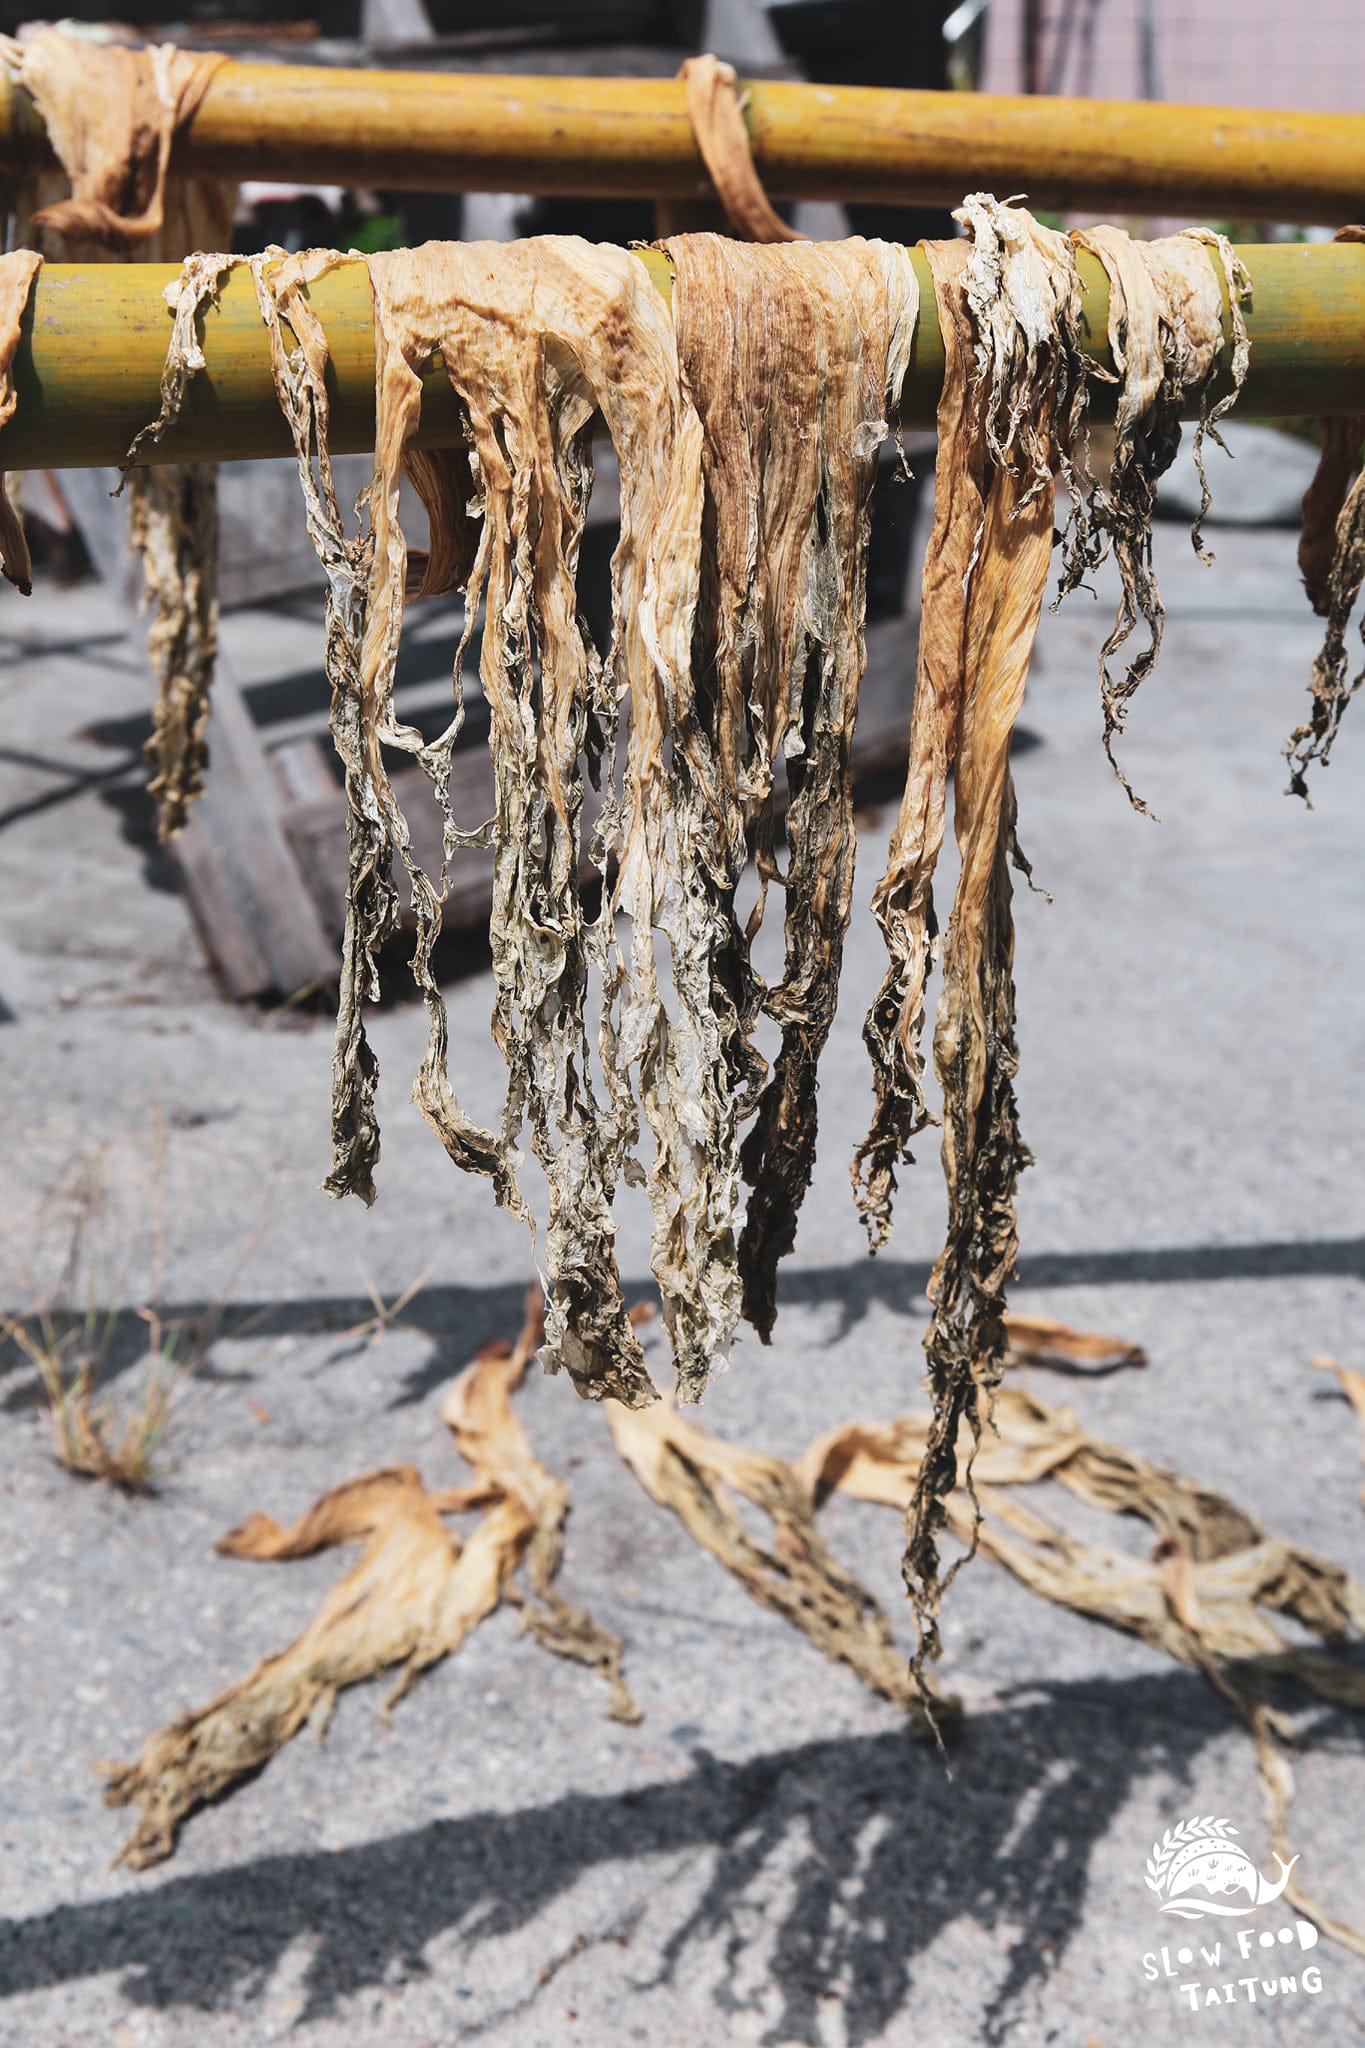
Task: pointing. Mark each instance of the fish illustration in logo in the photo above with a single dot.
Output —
(1198, 1868)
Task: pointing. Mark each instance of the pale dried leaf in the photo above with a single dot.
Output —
(1206, 1596)
(700, 1478)
(112, 114)
(413, 1597)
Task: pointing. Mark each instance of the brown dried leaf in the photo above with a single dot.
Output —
(1205, 1597)
(1010, 411)
(112, 114)
(1352, 1384)
(173, 526)
(17, 271)
(414, 1595)
(699, 1477)
(1038, 1340)
(1332, 559)
(716, 113)
(1166, 337)
(793, 356)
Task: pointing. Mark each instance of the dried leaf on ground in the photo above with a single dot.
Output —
(414, 1595)
(1038, 1340)
(1352, 1384)
(700, 1478)
(1206, 1596)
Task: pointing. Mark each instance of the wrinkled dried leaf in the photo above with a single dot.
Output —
(713, 667)
(700, 1477)
(1010, 411)
(414, 1595)
(17, 272)
(112, 114)
(1352, 1384)
(173, 526)
(715, 111)
(1205, 1597)
(793, 357)
(1038, 1340)
(1166, 337)
(1332, 559)
(1013, 410)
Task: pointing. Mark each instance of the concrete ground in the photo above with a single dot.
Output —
(768, 1858)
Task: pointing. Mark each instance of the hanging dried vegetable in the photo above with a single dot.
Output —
(111, 116)
(538, 338)
(793, 357)
(1165, 328)
(746, 431)
(17, 272)
(1013, 411)
(1332, 561)
(1013, 395)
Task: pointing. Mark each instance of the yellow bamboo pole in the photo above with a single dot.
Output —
(463, 131)
(89, 365)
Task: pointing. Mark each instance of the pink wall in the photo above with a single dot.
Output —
(1261, 53)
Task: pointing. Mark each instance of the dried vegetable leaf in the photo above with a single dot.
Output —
(700, 1478)
(413, 1597)
(1206, 1596)
(716, 113)
(1165, 327)
(1012, 406)
(112, 114)
(1352, 1384)
(173, 526)
(1013, 410)
(793, 357)
(1039, 1340)
(536, 337)
(1332, 561)
(375, 823)
(17, 272)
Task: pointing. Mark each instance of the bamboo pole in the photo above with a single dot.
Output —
(88, 370)
(465, 131)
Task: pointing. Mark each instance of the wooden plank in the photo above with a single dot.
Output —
(245, 888)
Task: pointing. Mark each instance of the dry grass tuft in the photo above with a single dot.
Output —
(74, 1333)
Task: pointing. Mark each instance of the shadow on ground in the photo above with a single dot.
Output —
(458, 1320)
(852, 1856)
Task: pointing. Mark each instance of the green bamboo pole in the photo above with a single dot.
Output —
(88, 369)
(463, 131)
